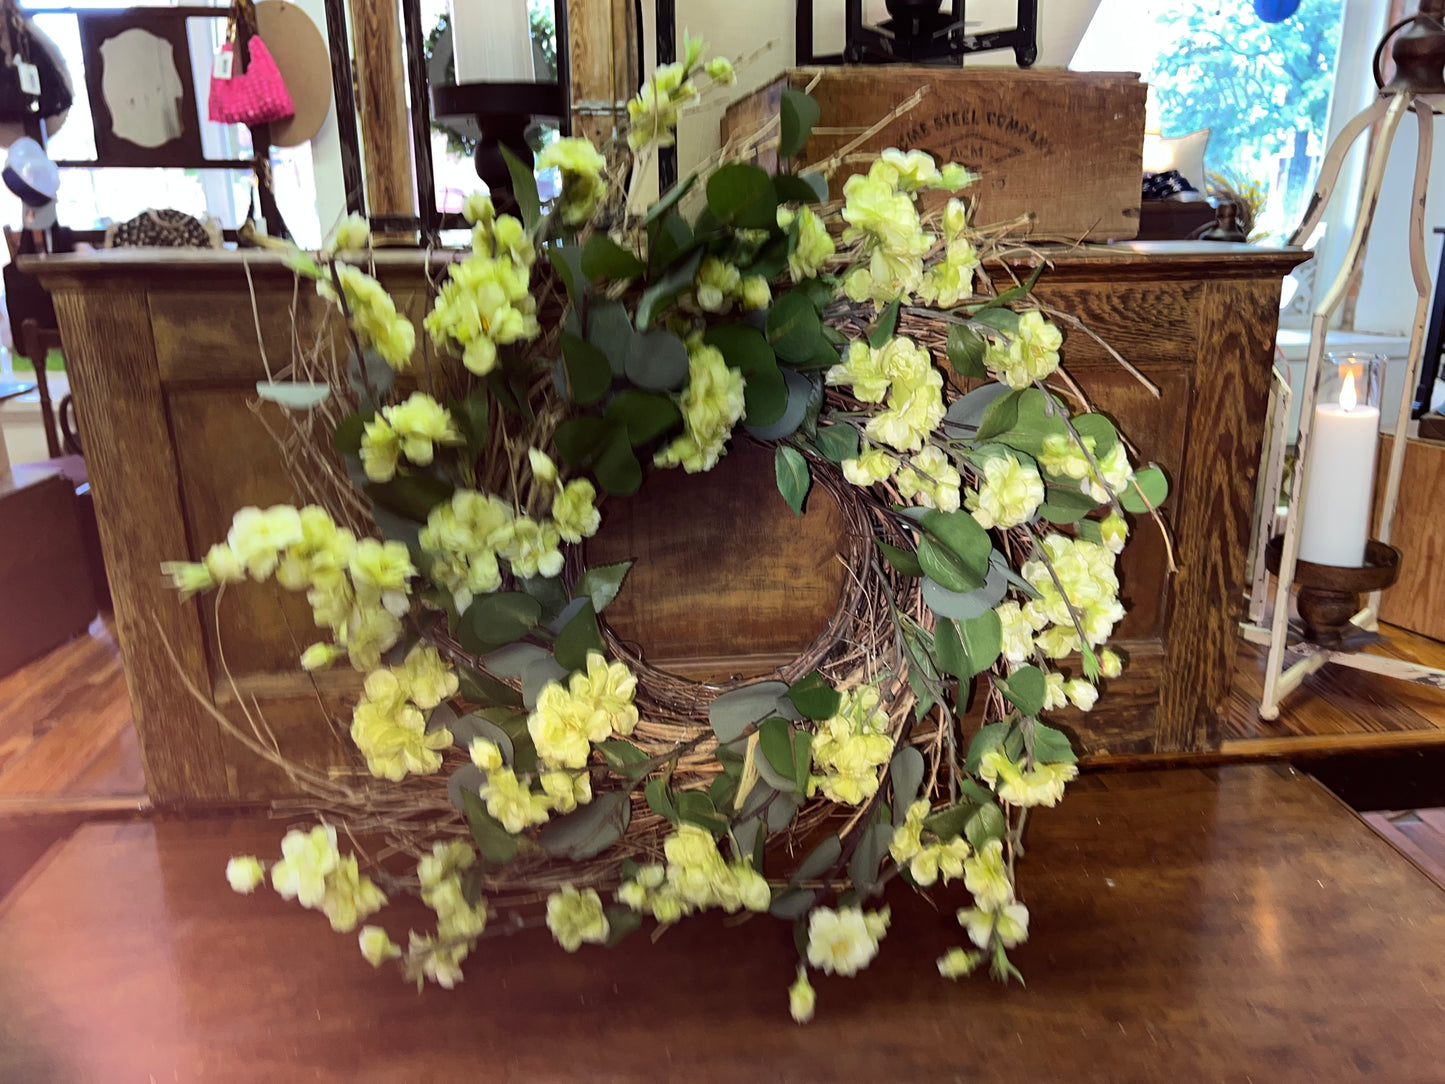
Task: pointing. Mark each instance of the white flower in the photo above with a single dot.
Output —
(841, 941)
(245, 872)
(802, 1000)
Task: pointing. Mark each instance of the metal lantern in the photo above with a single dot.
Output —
(919, 32)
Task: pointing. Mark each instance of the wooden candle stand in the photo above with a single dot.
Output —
(1329, 596)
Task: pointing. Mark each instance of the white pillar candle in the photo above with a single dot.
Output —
(492, 41)
(1340, 481)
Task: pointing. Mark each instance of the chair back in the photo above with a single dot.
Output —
(36, 342)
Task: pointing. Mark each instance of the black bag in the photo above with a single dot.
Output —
(38, 94)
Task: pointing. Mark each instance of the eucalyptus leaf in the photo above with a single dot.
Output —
(512, 661)
(601, 583)
(794, 327)
(659, 798)
(661, 293)
(965, 414)
(603, 259)
(749, 835)
(1025, 688)
(538, 676)
(838, 442)
(589, 376)
(987, 739)
(1065, 504)
(868, 856)
(571, 610)
(657, 361)
(616, 467)
(644, 416)
(466, 778)
(798, 112)
(695, 807)
(479, 688)
(746, 349)
(963, 605)
(820, 860)
(733, 712)
(347, 437)
(624, 758)
(800, 187)
(795, 903)
(411, 495)
(905, 772)
(948, 649)
(590, 830)
(800, 392)
(503, 617)
(779, 779)
(794, 478)
(567, 261)
(986, 825)
(982, 638)
(1098, 426)
(781, 811)
(495, 842)
(578, 637)
(947, 824)
(369, 375)
(672, 239)
(886, 324)
(524, 189)
(1001, 415)
(550, 591)
(670, 200)
(902, 560)
(1155, 489)
(742, 195)
(945, 567)
(963, 537)
(467, 728)
(814, 697)
(621, 921)
(473, 417)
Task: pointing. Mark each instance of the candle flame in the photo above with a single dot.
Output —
(1349, 399)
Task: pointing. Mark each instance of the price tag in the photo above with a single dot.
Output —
(224, 59)
(29, 77)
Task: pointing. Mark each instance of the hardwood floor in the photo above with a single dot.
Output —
(1234, 923)
(65, 726)
(1418, 834)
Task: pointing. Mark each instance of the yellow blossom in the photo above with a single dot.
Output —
(931, 478)
(573, 511)
(223, 564)
(511, 801)
(814, 246)
(1081, 693)
(486, 755)
(986, 876)
(1031, 353)
(544, 471)
(380, 450)
(610, 687)
(583, 181)
(350, 897)
(841, 942)
(426, 678)
(306, 859)
(872, 465)
(563, 726)
(353, 234)
(420, 423)
(188, 578)
(958, 962)
(376, 946)
(320, 655)
(1009, 494)
(802, 1000)
(1110, 664)
(245, 873)
(711, 406)
(566, 790)
(532, 548)
(1010, 921)
(257, 537)
(576, 918)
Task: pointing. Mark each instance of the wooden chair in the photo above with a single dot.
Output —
(36, 342)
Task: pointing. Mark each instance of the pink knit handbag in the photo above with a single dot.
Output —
(257, 95)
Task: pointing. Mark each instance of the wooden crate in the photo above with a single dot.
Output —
(1417, 601)
(1064, 146)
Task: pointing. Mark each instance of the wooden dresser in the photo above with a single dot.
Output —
(162, 353)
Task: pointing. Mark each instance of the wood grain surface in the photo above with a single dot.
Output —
(1417, 601)
(1197, 925)
(376, 49)
(602, 46)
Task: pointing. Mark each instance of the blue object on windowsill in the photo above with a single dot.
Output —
(1275, 11)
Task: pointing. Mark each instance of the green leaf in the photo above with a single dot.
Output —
(1099, 427)
(577, 638)
(621, 921)
(794, 328)
(673, 238)
(723, 790)
(1001, 416)
(645, 416)
(581, 440)
(982, 638)
(567, 259)
(590, 830)
(1039, 418)
(659, 798)
(479, 688)
(803, 396)
(837, 443)
(589, 376)
(524, 190)
(985, 825)
(795, 903)
(411, 496)
(961, 533)
(602, 583)
(794, 478)
(820, 860)
(671, 200)
(493, 620)
(657, 361)
(661, 293)
(904, 561)
(798, 112)
(624, 758)
(695, 807)
(814, 697)
(744, 348)
(1065, 504)
(550, 592)
(1052, 746)
(948, 650)
(609, 328)
(733, 712)
(886, 324)
(473, 417)
(617, 470)
(800, 187)
(492, 839)
(1155, 489)
(987, 739)
(965, 351)
(940, 563)
(1012, 294)
(948, 823)
(963, 605)
(347, 438)
(868, 856)
(742, 196)
(603, 258)
(1026, 688)
(905, 772)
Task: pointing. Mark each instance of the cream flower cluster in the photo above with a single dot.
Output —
(440, 874)
(851, 748)
(373, 314)
(412, 430)
(569, 718)
(1043, 784)
(486, 301)
(576, 918)
(881, 213)
(711, 406)
(995, 914)
(313, 871)
(902, 372)
(583, 169)
(926, 861)
(695, 878)
(387, 724)
(812, 245)
(719, 284)
(1086, 572)
(844, 941)
(1008, 494)
(1031, 353)
(950, 280)
(931, 479)
(357, 589)
(1062, 457)
(512, 802)
(654, 111)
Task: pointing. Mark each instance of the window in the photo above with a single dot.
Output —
(1263, 90)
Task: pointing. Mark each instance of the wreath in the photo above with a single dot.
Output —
(525, 765)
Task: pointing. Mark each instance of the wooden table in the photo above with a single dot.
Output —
(1225, 924)
(164, 362)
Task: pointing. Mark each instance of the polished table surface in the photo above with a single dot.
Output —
(1203, 924)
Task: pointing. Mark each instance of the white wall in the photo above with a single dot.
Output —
(325, 150)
